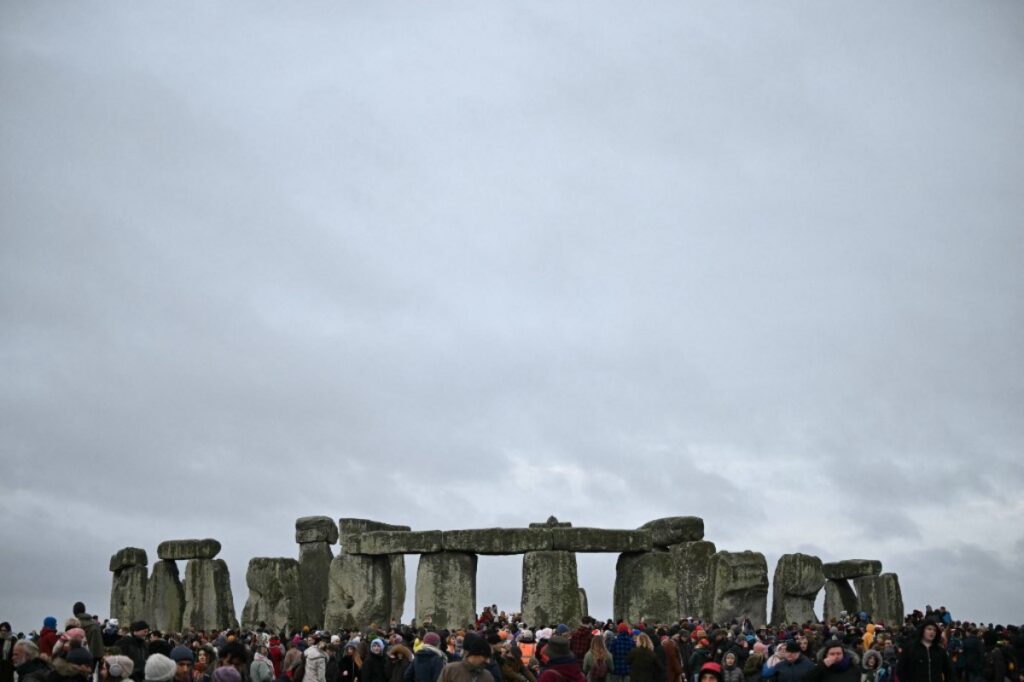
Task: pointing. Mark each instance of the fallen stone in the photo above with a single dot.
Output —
(600, 540)
(208, 601)
(379, 542)
(497, 540)
(881, 597)
(165, 597)
(550, 588)
(273, 594)
(839, 597)
(396, 564)
(314, 577)
(740, 587)
(316, 529)
(798, 579)
(851, 568)
(446, 589)
(584, 603)
(129, 556)
(128, 594)
(359, 592)
(188, 549)
(695, 580)
(674, 530)
(353, 526)
(646, 588)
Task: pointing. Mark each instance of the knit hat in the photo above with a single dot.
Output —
(377, 644)
(139, 625)
(80, 655)
(50, 622)
(711, 669)
(159, 668)
(561, 629)
(432, 639)
(120, 666)
(475, 646)
(226, 673)
(558, 647)
(74, 633)
(622, 627)
(182, 653)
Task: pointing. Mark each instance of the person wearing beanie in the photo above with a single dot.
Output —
(184, 660)
(562, 664)
(48, 636)
(473, 666)
(619, 649)
(159, 668)
(375, 665)
(228, 673)
(74, 666)
(427, 662)
(710, 672)
(792, 665)
(116, 668)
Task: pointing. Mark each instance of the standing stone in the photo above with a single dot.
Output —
(584, 604)
(359, 592)
(397, 567)
(314, 569)
(128, 586)
(273, 593)
(740, 587)
(798, 579)
(208, 601)
(550, 588)
(881, 597)
(165, 597)
(839, 597)
(695, 579)
(446, 589)
(646, 588)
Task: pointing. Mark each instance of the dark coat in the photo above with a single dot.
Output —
(844, 671)
(33, 671)
(374, 669)
(789, 672)
(920, 663)
(427, 665)
(138, 650)
(644, 666)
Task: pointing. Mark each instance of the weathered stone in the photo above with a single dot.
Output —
(128, 594)
(351, 526)
(273, 593)
(600, 540)
(740, 587)
(839, 597)
(674, 530)
(552, 522)
(165, 597)
(129, 556)
(188, 549)
(584, 603)
(208, 601)
(798, 579)
(881, 597)
(550, 588)
(314, 571)
(396, 564)
(446, 589)
(851, 568)
(695, 584)
(359, 592)
(316, 529)
(378, 542)
(497, 540)
(646, 588)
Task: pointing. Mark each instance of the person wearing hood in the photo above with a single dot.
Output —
(731, 671)
(473, 666)
(262, 668)
(427, 662)
(315, 663)
(27, 663)
(562, 664)
(48, 636)
(871, 666)
(925, 659)
(351, 664)
(399, 660)
(375, 667)
(836, 665)
(76, 666)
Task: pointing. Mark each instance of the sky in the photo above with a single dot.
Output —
(465, 265)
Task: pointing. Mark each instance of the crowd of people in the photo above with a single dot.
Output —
(929, 646)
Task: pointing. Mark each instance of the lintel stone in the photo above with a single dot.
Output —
(851, 568)
(600, 540)
(497, 540)
(379, 542)
(188, 549)
(129, 556)
(316, 529)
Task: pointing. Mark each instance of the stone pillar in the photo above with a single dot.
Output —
(358, 593)
(208, 601)
(584, 604)
(695, 579)
(128, 587)
(165, 597)
(446, 589)
(881, 597)
(740, 587)
(798, 579)
(550, 588)
(315, 535)
(397, 567)
(646, 587)
(273, 594)
(839, 597)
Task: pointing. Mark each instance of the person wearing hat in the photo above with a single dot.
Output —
(427, 662)
(116, 668)
(562, 664)
(791, 666)
(48, 636)
(710, 672)
(473, 666)
(159, 668)
(75, 666)
(134, 646)
(27, 664)
(184, 660)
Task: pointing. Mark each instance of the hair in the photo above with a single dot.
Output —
(598, 648)
(643, 641)
(78, 608)
(31, 650)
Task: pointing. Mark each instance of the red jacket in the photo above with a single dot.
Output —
(47, 638)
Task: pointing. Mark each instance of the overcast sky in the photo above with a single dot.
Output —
(462, 265)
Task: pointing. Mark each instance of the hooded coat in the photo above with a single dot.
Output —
(315, 664)
(920, 663)
(427, 664)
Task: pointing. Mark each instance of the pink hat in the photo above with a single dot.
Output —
(74, 633)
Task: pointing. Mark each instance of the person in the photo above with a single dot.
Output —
(276, 654)
(731, 672)
(924, 660)
(93, 632)
(184, 660)
(597, 662)
(399, 660)
(643, 666)
(562, 664)
(871, 666)
(159, 668)
(134, 646)
(48, 636)
(755, 662)
(472, 667)
(206, 658)
(116, 668)
(315, 663)
(579, 640)
(619, 649)
(375, 666)
(27, 664)
(262, 668)
(7, 641)
(427, 662)
(527, 647)
(511, 662)
(710, 672)
(351, 664)
(673, 661)
(792, 664)
(75, 666)
(836, 665)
